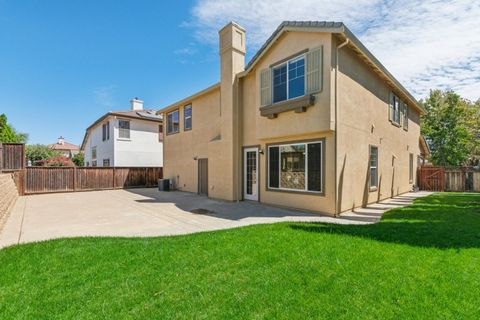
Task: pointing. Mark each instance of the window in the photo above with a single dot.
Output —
(124, 129)
(160, 133)
(173, 125)
(296, 167)
(410, 167)
(289, 80)
(94, 163)
(106, 162)
(396, 110)
(405, 116)
(106, 131)
(187, 117)
(94, 152)
(373, 167)
(88, 164)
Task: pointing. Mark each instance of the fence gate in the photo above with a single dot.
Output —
(432, 178)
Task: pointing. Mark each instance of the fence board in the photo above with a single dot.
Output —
(449, 179)
(12, 156)
(71, 179)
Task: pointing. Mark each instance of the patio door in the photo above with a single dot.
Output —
(250, 174)
(203, 177)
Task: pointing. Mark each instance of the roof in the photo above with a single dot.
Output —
(338, 28)
(146, 115)
(191, 97)
(64, 146)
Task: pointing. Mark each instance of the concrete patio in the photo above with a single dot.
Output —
(148, 212)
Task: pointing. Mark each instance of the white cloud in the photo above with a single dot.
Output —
(104, 96)
(425, 44)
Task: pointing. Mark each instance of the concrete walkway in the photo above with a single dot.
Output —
(148, 212)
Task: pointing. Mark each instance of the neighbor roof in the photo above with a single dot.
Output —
(146, 115)
(64, 146)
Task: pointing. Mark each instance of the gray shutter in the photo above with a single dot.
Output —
(391, 113)
(265, 87)
(405, 117)
(313, 70)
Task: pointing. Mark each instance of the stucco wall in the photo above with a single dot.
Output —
(363, 120)
(104, 148)
(182, 148)
(8, 196)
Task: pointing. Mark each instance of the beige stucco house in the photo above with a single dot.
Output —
(313, 121)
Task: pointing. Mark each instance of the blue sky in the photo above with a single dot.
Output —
(65, 63)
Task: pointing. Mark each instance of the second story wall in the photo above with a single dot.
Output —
(104, 148)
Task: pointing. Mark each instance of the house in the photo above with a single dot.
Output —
(314, 121)
(65, 149)
(129, 138)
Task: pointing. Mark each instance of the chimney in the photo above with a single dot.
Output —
(61, 141)
(136, 104)
(232, 62)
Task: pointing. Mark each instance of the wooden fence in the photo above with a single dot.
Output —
(12, 156)
(72, 179)
(449, 179)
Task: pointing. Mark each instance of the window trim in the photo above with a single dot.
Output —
(129, 129)
(166, 129)
(286, 62)
(297, 191)
(370, 187)
(185, 117)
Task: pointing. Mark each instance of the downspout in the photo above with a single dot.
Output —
(336, 123)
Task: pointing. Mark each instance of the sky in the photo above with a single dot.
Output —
(63, 64)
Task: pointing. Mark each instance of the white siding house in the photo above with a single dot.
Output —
(131, 138)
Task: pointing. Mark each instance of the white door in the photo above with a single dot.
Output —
(250, 174)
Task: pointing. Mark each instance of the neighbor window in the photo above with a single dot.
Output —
(405, 116)
(106, 131)
(173, 125)
(124, 129)
(396, 106)
(296, 167)
(187, 117)
(410, 167)
(160, 132)
(94, 163)
(373, 167)
(289, 79)
(94, 152)
(106, 162)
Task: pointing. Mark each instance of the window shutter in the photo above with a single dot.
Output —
(391, 112)
(314, 66)
(405, 117)
(265, 87)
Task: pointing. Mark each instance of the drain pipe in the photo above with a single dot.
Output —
(336, 123)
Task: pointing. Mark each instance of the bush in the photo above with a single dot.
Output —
(58, 161)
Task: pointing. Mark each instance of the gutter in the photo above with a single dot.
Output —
(336, 122)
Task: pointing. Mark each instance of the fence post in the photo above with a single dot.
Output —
(113, 178)
(74, 179)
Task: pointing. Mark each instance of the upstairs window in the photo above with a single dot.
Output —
(187, 117)
(289, 80)
(106, 131)
(124, 129)
(94, 152)
(173, 123)
(160, 133)
(405, 116)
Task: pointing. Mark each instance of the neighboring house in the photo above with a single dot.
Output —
(64, 148)
(131, 138)
(314, 121)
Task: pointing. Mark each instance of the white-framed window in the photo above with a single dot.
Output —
(410, 167)
(373, 167)
(94, 152)
(288, 79)
(124, 129)
(296, 166)
(187, 117)
(160, 132)
(106, 162)
(106, 131)
(173, 122)
(94, 163)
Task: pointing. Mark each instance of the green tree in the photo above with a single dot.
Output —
(449, 128)
(39, 152)
(79, 159)
(9, 134)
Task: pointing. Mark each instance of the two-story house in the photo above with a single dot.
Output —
(314, 121)
(129, 138)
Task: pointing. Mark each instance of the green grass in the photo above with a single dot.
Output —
(419, 262)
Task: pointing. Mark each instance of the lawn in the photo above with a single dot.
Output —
(419, 262)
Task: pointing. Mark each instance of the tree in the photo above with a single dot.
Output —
(39, 152)
(79, 159)
(8, 133)
(449, 127)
